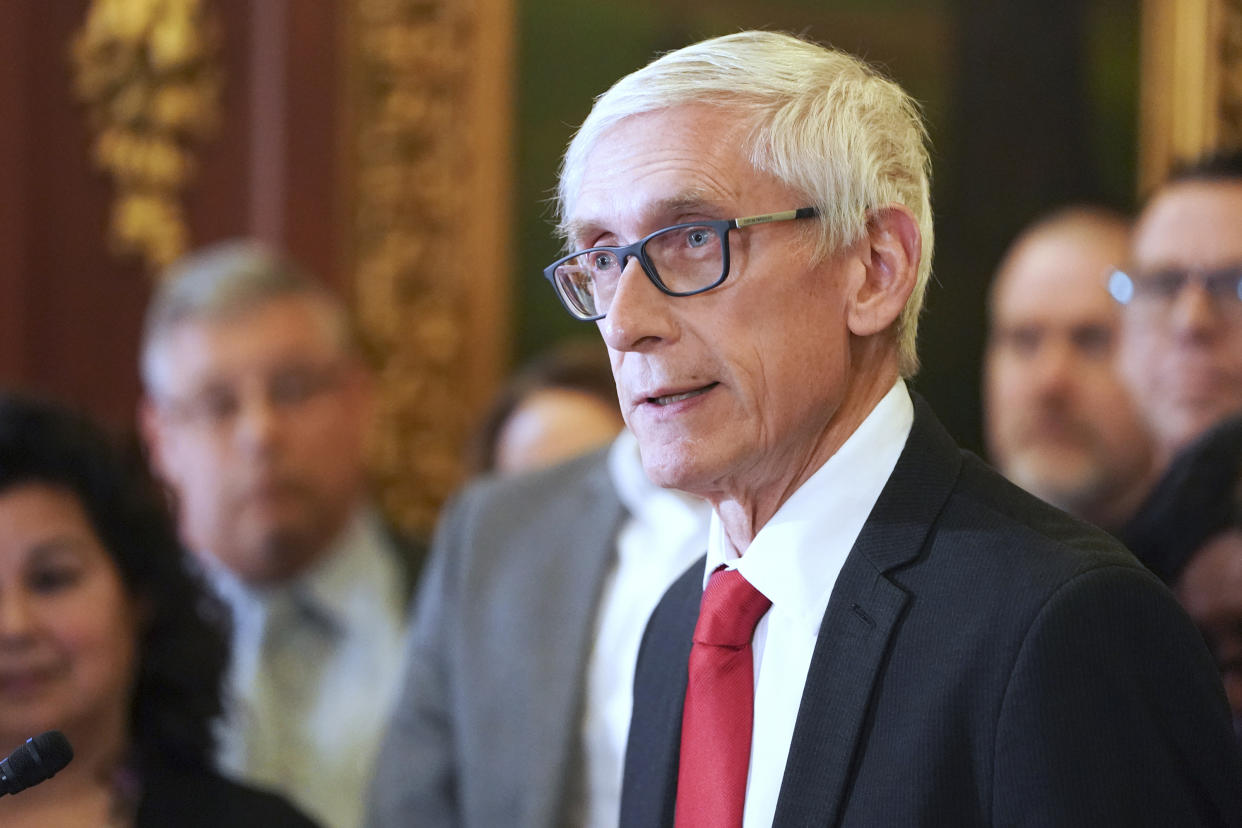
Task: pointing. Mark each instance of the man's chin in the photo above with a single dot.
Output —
(270, 551)
(1062, 478)
(671, 469)
(1193, 418)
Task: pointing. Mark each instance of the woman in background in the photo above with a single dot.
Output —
(107, 636)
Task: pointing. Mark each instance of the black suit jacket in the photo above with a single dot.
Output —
(199, 798)
(984, 660)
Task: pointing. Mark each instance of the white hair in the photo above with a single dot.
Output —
(821, 121)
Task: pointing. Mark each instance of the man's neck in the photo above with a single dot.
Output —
(744, 512)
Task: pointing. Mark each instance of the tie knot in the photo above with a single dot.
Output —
(730, 610)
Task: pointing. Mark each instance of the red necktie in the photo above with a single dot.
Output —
(719, 708)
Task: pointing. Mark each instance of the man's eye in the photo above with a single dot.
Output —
(602, 261)
(1165, 284)
(291, 387)
(699, 236)
(1093, 340)
(213, 406)
(1023, 341)
(1225, 283)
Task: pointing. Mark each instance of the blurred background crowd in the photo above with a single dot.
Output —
(270, 293)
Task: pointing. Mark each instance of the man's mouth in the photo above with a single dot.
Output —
(669, 399)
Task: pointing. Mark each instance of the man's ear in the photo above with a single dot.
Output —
(892, 267)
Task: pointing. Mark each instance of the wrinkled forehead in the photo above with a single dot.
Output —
(1060, 278)
(658, 168)
(1191, 224)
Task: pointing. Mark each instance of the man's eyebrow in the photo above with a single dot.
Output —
(689, 202)
(576, 229)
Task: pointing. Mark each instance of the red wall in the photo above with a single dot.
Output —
(70, 312)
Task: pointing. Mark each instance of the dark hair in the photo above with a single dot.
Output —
(574, 365)
(182, 647)
(1216, 165)
(1199, 497)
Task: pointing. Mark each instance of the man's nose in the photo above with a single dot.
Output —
(257, 421)
(1194, 313)
(1053, 369)
(639, 315)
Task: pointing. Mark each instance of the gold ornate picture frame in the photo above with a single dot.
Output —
(1191, 82)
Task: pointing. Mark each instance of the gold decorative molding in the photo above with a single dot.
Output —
(428, 106)
(146, 71)
(1230, 95)
(1191, 82)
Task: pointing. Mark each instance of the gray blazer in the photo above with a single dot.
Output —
(485, 731)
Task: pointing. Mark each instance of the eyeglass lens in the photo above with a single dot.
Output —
(1164, 286)
(679, 259)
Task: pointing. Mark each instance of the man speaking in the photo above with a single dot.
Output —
(884, 632)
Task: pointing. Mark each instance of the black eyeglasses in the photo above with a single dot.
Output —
(217, 405)
(681, 260)
(1156, 290)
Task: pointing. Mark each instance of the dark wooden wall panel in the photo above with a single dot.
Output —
(218, 204)
(315, 209)
(14, 130)
(79, 304)
(70, 311)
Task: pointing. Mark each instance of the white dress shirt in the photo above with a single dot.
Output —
(665, 532)
(794, 560)
(314, 673)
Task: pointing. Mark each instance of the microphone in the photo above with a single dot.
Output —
(39, 759)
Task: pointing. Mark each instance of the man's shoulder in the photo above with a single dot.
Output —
(945, 511)
(519, 497)
(1005, 553)
(533, 519)
(985, 503)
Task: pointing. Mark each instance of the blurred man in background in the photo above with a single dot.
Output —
(1181, 344)
(255, 413)
(1060, 423)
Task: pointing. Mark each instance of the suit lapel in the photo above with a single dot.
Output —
(858, 626)
(649, 790)
(583, 550)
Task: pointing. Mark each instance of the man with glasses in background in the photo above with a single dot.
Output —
(1058, 419)
(257, 402)
(1181, 354)
(884, 631)
(1181, 322)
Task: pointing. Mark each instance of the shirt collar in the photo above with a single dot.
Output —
(350, 582)
(796, 556)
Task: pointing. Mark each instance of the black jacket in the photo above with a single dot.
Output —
(984, 660)
(202, 799)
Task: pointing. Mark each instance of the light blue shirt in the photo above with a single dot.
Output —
(314, 674)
